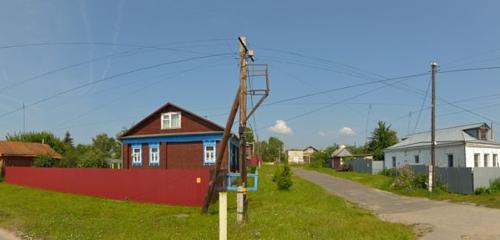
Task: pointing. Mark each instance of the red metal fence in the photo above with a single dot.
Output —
(165, 186)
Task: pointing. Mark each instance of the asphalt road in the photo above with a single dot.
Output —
(430, 219)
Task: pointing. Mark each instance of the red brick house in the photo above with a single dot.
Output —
(172, 137)
(23, 153)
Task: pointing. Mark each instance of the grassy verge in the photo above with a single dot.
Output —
(384, 183)
(304, 212)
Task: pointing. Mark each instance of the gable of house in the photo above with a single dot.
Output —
(172, 137)
(310, 150)
(459, 134)
(188, 121)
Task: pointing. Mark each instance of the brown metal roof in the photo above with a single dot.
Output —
(26, 149)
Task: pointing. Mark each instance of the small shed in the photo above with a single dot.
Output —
(337, 157)
(23, 153)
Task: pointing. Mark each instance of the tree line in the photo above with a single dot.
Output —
(272, 150)
(381, 138)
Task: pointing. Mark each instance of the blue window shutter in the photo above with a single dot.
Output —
(209, 143)
(139, 162)
(157, 146)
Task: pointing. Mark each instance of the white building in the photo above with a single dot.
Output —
(295, 156)
(462, 146)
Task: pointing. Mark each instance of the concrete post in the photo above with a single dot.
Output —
(241, 197)
(222, 215)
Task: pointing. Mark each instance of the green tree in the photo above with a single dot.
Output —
(382, 137)
(68, 140)
(249, 135)
(108, 146)
(320, 158)
(93, 158)
(275, 150)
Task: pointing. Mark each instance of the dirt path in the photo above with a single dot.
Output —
(431, 219)
(5, 235)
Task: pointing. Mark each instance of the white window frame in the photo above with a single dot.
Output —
(154, 159)
(416, 159)
(169, 116)
(136, 159)
(209, 160)
(495, 160)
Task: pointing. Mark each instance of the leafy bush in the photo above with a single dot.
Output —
(406, 181)
(420, 181)
(320, 159)
(276, 174)
(283, 178)
(495, 185)
(494, 188)
(94, 158)
(44, 161)
(391, 172)
(481, 190)
(251, 169)
(316, 163)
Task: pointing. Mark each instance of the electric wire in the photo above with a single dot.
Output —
(113, 77)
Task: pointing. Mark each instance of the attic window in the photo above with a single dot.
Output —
(171, 120)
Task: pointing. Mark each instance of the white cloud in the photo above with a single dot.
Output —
(321, 133)
(280, 127)
(346, 131)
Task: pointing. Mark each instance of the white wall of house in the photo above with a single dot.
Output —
(296, 157)
(408, 156)
(463, 155)
(485, 154)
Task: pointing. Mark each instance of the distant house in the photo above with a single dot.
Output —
(338, 156)
(23, 153)
(172, 137)
(461, 146)
(295, 156)
(308, 152)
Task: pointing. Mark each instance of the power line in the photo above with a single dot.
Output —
(39, 44)
(448, 71)
(346, 87)
(421, 106)
(172, 75)
(470, 69)
(112, 77)
(70, 66)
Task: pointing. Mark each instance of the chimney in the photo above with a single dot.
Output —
(492, 135)
(482, 131)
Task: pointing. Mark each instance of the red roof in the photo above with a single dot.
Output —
(26, 149)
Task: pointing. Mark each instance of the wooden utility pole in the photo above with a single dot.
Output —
(243, 110)
(432, 174)
(241, 204)
(220, 154)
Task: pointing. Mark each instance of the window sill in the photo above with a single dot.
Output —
(154, 164)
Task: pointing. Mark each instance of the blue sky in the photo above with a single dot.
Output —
(332, 44)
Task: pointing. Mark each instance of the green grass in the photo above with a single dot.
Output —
(304, 212)
(384, 183)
